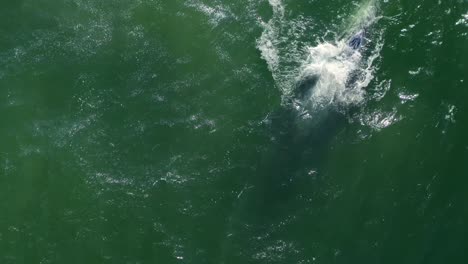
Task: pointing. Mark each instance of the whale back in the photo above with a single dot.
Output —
(356, 41)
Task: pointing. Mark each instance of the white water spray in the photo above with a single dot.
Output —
(340, 72)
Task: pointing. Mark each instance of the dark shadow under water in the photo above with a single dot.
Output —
(288, 179)
(292, 166)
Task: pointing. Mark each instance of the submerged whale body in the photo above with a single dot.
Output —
(356, 41)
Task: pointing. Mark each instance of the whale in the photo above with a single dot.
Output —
(357, 40)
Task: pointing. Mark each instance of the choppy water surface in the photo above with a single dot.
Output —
(214, 131)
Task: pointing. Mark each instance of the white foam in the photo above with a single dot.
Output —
(268, 42)
(463, 20)
(215, 14)
(332, 64)
(380, 120)
(341, 72)
(278, 6)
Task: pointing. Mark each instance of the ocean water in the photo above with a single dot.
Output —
(215, 131)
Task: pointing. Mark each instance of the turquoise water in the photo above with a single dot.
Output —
(215, 131)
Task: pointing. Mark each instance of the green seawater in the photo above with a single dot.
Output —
(193, 131)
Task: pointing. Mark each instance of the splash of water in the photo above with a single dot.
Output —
(269, 41)
(334, 73)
